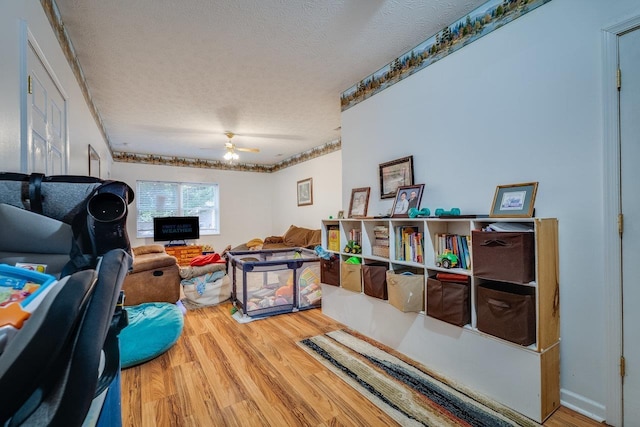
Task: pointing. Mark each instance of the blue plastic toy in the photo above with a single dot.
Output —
(415, 213)
(452, 212)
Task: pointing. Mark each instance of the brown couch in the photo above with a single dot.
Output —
(155, 276)
(294, 237)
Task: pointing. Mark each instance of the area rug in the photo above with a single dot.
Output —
(407, 393)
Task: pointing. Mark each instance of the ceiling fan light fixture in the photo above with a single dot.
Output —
(231, 155)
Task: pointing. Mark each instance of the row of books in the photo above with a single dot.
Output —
(355, 234)
(409, 244)
(458, 245)
(381, 232)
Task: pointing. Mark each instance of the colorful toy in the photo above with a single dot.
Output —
(447, 259)
(452, 212)
(322, 253)
(353, 247)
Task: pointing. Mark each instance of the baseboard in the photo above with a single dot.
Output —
(582, 405)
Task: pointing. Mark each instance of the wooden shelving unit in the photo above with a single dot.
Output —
(525, 378)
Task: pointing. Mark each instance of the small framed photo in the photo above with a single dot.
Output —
(340, 214)
(94, 162)
(407, 197)
(359, 202)
(394, 174)
(514, 200)
(305, 192)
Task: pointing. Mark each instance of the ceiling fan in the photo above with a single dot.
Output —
(231, 154)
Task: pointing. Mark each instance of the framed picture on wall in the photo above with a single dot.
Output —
(394, 174)
(514, 200)
(407, 197)
(305, 192)
(94, 162)
(359, 202)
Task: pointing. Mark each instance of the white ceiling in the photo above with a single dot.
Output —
(171, 77)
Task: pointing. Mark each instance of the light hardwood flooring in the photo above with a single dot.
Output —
(223, 373)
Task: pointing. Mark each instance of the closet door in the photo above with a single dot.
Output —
(46, 119)
(629, 55)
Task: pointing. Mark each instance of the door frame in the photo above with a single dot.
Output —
(27, 38)
(612, 207)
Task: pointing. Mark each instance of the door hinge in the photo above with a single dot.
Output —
(622, 367)
(29, 87)
(618, 79)
(620, 224)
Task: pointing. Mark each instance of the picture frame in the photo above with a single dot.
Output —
(94, 162)
(514, 200)
(394, 174)
(340, 214)
(305, 192)
(359, 203)
(405, 200)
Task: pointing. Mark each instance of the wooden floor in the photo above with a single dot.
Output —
(223, 373)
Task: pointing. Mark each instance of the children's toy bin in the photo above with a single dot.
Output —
(277, 281)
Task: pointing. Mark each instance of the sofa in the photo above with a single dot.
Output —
(154, 277)
(294, 237)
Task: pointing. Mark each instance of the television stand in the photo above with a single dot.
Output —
(176, 243)
(184, 253)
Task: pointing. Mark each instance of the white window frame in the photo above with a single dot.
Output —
(144, 231)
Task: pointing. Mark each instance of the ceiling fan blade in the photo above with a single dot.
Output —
(250, 150)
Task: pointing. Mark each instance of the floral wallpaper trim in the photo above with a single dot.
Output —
(486, 18)
(222, 165)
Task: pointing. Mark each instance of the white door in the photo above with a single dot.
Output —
(47, 120)
(629, 57)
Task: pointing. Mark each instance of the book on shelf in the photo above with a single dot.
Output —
(333, 238)
(457, 244)
(381, 232)
(409, 244)
(452, 277)
(356, 235)
(381, 241)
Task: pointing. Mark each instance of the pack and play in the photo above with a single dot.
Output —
(277, 281)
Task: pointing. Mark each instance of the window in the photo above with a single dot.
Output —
(157, 198)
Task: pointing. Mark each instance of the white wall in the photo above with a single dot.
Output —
(521, 104)
(82, 127)
(327, 193)
(245, 198)
(252, 204)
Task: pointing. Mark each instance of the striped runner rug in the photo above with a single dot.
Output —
(402, 389)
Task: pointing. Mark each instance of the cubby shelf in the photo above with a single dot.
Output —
(524, 377)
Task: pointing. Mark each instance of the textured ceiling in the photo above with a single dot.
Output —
(171, 77)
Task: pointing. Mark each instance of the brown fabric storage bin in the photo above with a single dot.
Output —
(374, 280)
(330, 271)
(351, 279)
(406, 292)
(503, 256)
(507, 311)
(448, 301)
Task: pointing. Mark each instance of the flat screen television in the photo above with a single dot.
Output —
(176, 228)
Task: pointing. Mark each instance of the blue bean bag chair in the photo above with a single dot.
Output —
(153, 328)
